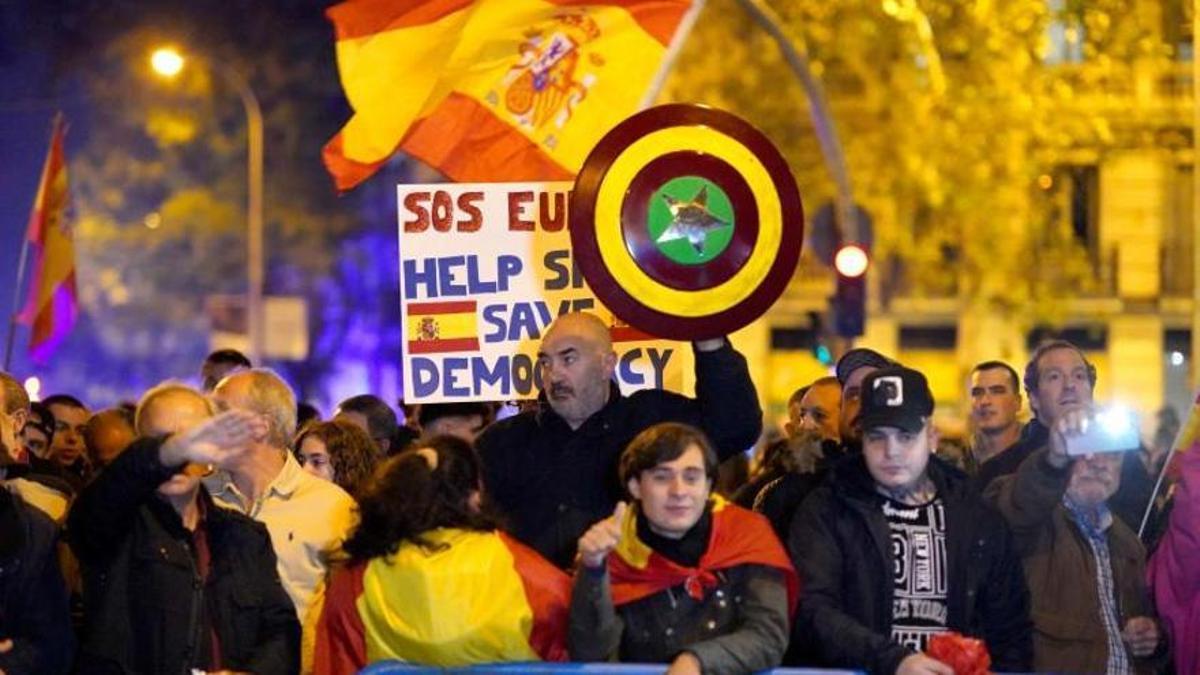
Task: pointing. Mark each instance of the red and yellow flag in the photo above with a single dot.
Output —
(738, 537)
(52, 305)
(493, 90)
(483, 598)
(435, 327)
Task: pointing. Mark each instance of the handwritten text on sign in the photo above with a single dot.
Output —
(484, 270)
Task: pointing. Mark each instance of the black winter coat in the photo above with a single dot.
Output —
(145, 605)
(33, 597)
(841, 545)
(553, 482)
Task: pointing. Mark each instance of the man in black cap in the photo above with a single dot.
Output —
(855, 365)
(896, 547)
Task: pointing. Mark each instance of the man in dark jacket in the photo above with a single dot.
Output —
(553, 471)
(896, 547)
(35, 625)
(172, 582)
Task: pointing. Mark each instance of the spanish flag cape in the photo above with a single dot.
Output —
(738, 537)
(483, 598)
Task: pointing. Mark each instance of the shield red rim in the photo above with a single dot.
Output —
(605, 286)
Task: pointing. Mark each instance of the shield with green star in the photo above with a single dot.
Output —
(686, 222)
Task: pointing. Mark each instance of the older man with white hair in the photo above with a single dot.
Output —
(307, 517)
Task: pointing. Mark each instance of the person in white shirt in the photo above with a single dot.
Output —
(308, 518)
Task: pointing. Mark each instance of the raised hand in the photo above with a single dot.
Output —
(217, 441)
(1072, 422)
(602, 538)
(919, 664)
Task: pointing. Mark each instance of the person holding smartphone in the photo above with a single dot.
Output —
(1085, 568)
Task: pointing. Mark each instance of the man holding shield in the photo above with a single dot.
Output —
(553, 470)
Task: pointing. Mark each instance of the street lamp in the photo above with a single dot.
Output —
(169, 62)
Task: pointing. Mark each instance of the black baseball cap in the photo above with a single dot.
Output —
(858, 358)
(895, 397)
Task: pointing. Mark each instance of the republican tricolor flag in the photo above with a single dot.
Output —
(52, 304)
(494, 90)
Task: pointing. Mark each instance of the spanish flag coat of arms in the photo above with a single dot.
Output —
(483, 597)
(493, 90)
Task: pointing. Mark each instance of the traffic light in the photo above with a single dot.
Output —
(850, 296)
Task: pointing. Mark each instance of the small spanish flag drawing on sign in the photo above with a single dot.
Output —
(435, 327)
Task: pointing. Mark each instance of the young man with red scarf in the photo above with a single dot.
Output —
(681, 576)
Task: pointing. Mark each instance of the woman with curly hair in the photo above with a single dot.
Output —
(337, 451)
(431, 580)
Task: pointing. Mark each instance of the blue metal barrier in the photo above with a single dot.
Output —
(538, 668)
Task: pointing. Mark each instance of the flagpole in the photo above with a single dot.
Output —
(668, 62)
(12, 317)
(24, 259)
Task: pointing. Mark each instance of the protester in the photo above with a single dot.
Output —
(307, 517)
(431, 580)
(896, 547)
(67, 448)
(306, 413)
(337, 451)
(34, 617)
(1085, 568)
(1058, 378)
(39, 482)
(107, 434)
(220, 363)
(1174, 569)
(819, 410)
(553, 471)
(38, 431)
(173, 582)
(995, 392)
(372, 415)
(465, 420)
(813, 448)
(680, 576)
(855, 365)
(792, 425)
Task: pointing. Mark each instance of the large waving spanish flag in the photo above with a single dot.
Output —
(482, 598)
(494, 90)
(52, 306)
(738, 537)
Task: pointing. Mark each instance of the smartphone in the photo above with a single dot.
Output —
(1110, 430)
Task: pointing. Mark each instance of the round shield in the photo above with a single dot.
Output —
(686, 222)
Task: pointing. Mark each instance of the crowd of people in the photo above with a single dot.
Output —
(229, 529)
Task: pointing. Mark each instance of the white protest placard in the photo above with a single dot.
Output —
(485, 268)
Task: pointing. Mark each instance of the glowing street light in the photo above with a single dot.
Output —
(168, 62)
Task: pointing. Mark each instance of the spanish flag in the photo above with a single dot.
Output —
(53, 305)
(435, 327)
(482, 598)
(738, 537)
(494, 90)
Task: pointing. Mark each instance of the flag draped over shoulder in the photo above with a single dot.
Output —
(483, 598)
(52, 304)
(738, 537)
(491, 90)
